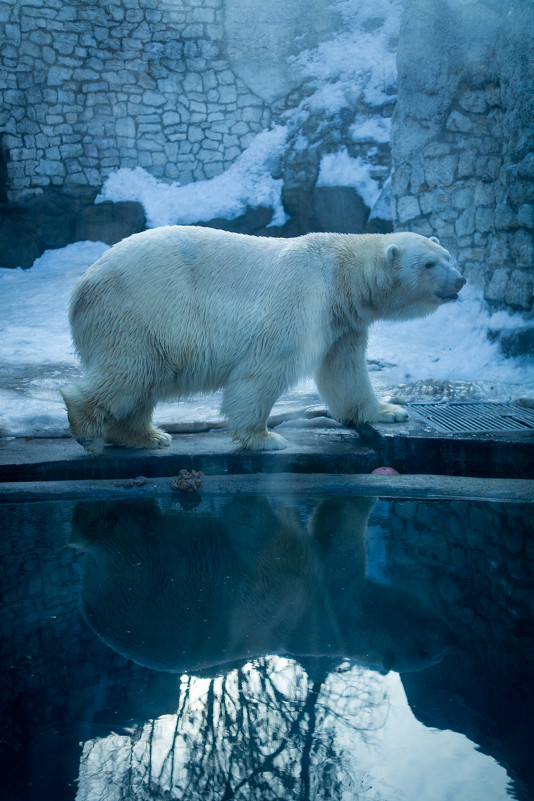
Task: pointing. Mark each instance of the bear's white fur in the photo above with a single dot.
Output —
(180, 310)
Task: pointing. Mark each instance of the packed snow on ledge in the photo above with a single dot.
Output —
(247, 183)
(444, 356)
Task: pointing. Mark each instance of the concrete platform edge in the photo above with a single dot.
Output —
(425, 487)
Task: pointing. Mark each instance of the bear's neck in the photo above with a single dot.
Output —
(362, 287)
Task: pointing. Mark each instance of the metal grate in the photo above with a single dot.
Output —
(474, 417)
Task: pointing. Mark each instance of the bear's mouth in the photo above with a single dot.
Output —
(447, 298)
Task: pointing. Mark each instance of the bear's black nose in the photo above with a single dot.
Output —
(459, 283)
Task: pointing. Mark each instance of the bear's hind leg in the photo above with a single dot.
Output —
(246, 404)
(87, 418)
(136, 430)
(99, 413)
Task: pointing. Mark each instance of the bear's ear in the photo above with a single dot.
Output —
(434, 239)
(391, 253)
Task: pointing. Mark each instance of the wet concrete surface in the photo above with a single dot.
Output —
(309, 451)
(415, 447)
(426, 487)
(336, 460)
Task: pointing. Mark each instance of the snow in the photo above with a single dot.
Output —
(340, 169)
(35, 301)
(360, 62)
(373, 129)
(451, 344)
(247, 183)
(37, 356)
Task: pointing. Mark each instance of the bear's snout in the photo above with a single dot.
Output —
(452, 284)
(460, 282)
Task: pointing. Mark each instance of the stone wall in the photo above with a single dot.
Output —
(463, 138)
(92, 86)
(181, 88)
(54, 668)
(177, 87)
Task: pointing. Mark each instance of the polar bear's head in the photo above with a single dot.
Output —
(420, 275)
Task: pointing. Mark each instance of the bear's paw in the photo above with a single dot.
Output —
(159, 439)
(93, 447)
(264, 441)
(387, 413)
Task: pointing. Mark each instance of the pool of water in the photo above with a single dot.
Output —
(267, 647)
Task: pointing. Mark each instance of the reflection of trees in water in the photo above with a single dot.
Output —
(268, 730)
(215, 592)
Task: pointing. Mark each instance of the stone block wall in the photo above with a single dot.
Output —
(60, 683)
(179, 88)
(92, 86)
(463, 139)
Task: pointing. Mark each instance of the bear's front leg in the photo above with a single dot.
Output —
(343, 382)
(246, 404)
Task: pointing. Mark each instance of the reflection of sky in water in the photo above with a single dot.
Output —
(367, 744)
(299, 579)
(283, 604)
(427, 764)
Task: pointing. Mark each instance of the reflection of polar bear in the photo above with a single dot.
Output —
(190, 591)
(180, 310)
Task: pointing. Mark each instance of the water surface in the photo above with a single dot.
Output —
(261, 647)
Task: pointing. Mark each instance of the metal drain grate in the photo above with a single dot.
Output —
(474, 417)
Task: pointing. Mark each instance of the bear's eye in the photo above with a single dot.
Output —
(430, 264)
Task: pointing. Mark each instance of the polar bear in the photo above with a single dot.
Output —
(180, 310)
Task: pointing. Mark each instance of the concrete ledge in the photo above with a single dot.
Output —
(313, 448)
(309, 451)
(413, 448)
(426, 487)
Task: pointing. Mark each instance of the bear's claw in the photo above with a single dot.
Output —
(390, 413)
(160, 439)
(265, 442)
